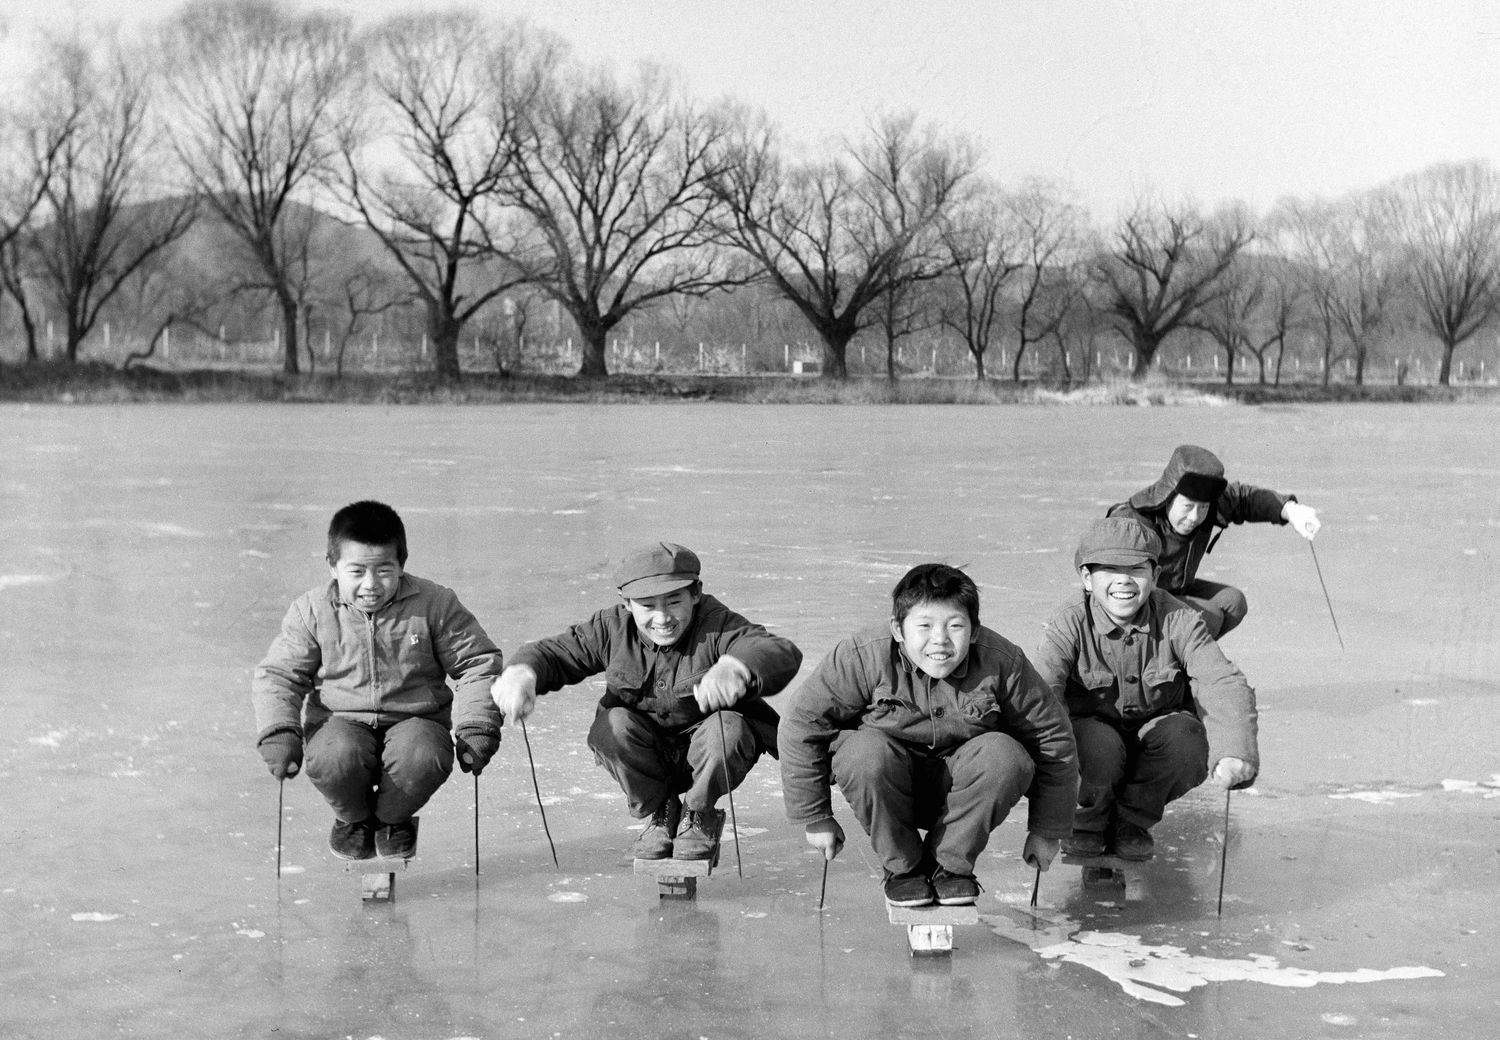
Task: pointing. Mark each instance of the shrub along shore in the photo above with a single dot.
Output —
(103, 384)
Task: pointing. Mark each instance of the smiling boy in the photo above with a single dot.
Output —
(929, 722)
(1187, 508)
(683, 717)
(1155, 705)
(355, 680)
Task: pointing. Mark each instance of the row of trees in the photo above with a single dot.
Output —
(454, 163)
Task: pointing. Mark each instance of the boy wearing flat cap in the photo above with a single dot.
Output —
(1188, 508)
(1155, 705)
(683, 716)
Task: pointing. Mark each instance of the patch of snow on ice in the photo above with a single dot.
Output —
(1155, 973)
(95, 915)
(1375, 797)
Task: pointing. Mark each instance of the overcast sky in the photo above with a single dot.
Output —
(1188, 98)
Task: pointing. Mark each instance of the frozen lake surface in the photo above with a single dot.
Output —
(151, 552)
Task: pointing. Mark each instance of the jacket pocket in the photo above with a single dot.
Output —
(1092, 693)
(1162, 687)
(981, 701)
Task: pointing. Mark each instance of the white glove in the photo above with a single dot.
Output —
(722, 685)
(1302, 519)
(1233, 772)
(514, 693)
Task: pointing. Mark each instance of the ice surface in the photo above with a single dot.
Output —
(151, 552)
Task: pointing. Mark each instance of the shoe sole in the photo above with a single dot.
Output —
(352, 859)
(959, 901)
(909, 902)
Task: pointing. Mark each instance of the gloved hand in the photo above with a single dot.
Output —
(283, 754)
(1302, 519)
(474, 750)
(1232, 773)
(514, 693)
(722, 685)
(826, 836)
(1039, 852)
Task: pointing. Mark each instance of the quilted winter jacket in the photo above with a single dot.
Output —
(866, 680)
(332, 658)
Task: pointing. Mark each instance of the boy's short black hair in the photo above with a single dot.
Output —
(373, 523)
(928, 582)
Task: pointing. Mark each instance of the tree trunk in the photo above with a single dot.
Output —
(978, 364)
(1229, 364)
(1015, 368)
(1445, 370)
(290, 363)
(835, 346)
(1145, 346)
(594, 364)
(444, 329)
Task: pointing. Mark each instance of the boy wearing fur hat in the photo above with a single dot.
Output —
(1188, 508)
(683, 717)
(1155, 705)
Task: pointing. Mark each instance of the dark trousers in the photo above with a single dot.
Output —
(387, 772)
(1132, 773)
(897, 789)
(652, 763)
(1223, 606)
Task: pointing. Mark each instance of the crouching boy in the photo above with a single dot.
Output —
(929, 722)
(1155, 705)
(683, 717)
(355, 681)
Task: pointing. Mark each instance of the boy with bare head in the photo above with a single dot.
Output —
(934, 727)
(355, 682)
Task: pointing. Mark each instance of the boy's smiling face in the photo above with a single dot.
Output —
(662, 619)
(367, 575)
(935, 636)
(1120, 591)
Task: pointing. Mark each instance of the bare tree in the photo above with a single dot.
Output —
(834, 236)
(1051, 232)
(1345, 254)
(1447, 219)
(256, 91)
(450, 91)
(984, 249)
(28, 154)
(105, 214)
(1166, 265)
(615, 180)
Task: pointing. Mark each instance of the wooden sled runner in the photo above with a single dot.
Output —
(929, 929)
(1099, 871)
(677, 878)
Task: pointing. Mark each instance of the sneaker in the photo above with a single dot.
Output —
(396, 840)
(954, 889)
(909, 889)
(699, 836)
(1084, 844)
(352, 840)
(1132, 842)
(655, 839)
